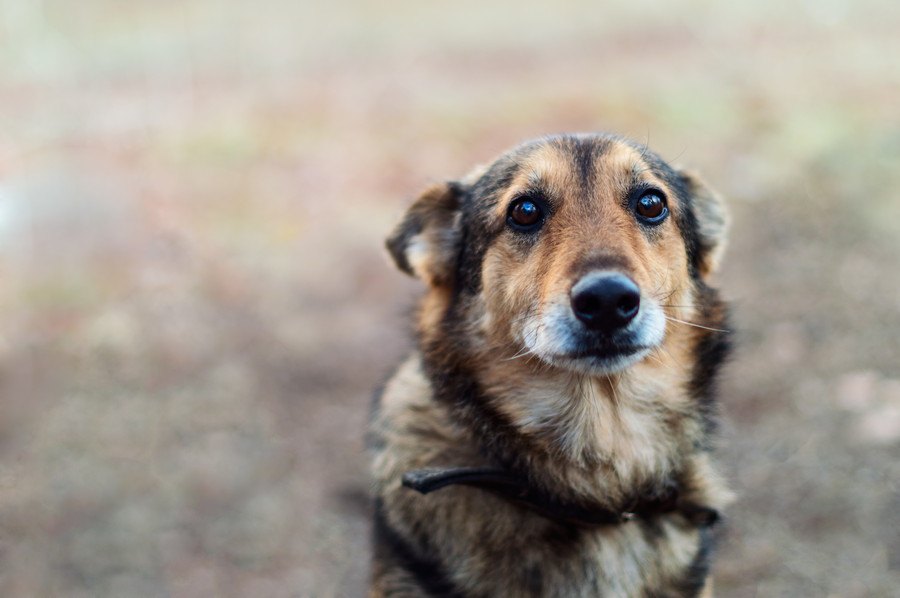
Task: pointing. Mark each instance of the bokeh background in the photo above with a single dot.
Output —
(196, 303)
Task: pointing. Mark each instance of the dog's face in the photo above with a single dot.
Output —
(576, 250)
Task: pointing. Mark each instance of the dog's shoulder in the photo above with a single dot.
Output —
(409, 430)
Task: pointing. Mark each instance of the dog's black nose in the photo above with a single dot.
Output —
(605, 301)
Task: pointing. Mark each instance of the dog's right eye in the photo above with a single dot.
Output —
(525, 215)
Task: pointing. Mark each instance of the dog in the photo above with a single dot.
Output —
(551, 435)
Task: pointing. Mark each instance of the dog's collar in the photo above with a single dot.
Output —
(515, 489)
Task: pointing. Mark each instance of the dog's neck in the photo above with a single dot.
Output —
(599, 438)
(519, 491)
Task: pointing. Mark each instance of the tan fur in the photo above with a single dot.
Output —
(586, 436)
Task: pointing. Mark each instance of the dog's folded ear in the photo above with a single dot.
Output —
(712, 222)
(426, 242)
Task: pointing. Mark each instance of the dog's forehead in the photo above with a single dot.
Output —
(561, 166)
(579, 163)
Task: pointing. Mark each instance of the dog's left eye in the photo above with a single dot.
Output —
(525, 215)
(651, 207)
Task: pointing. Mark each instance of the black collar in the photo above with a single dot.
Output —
(517, 490)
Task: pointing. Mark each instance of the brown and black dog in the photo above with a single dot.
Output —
(551, 434)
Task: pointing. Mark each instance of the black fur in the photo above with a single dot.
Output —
(693, 581)
(455, 385)
(712, 350)
(427, 572)
(476, 235)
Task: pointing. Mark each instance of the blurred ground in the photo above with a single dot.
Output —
(196, 305)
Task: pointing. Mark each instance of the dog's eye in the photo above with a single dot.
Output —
(525, 214)
(651, 207)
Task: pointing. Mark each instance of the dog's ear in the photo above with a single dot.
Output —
(426, 242)
(712, 222)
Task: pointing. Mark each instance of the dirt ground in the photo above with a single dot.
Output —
(196, 303)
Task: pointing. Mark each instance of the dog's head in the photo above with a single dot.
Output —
(579, 251)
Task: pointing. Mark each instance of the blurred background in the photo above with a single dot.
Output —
(196, 303)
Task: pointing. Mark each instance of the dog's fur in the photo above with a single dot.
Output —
(496, 382)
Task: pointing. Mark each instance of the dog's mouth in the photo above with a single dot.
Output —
(604, 351)
(604, 359)
(561, 340)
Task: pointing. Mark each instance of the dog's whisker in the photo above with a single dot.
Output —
(612, 389)
(522, 353)
(528, 314)
(675, 159)
(656, 358)
(526, 350)
(663, 349)
(668, 295)
(662, 283)
(671, 319)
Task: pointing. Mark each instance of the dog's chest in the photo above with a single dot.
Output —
(632, 559)
(627, 432)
